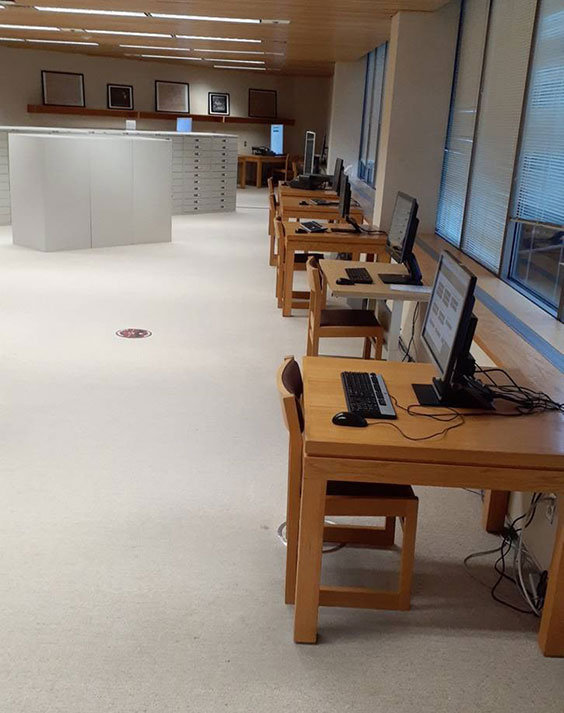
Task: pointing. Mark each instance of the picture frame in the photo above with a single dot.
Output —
(219, 104)
(263, 103)
(172, 97)
(62, 88)
(120, 96)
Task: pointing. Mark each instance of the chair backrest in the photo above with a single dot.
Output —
(290, 389)
(297, 163)
(272, 204)
(279, 234)
(316, 288)
(270, 184)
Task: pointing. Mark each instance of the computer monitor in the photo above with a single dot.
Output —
(336, 180)
(401, 238)
(345, 196)
(448, 330)
(277, 138)
(309, 152)
(184, 124)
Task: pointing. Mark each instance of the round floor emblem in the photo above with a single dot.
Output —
(134, 333)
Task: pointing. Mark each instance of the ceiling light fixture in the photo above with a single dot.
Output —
(86, 11)
(152, 47)
(279, 54)
(169, 56)
(65, 42)
(11, 39)
(240, 61)
(216, 39)
(31, 27)
(132, 34)
(203, 18)
(230, 66)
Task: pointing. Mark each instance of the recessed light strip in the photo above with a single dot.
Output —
(239, 61)
(169, 56)
(152, 47)
(261, 52)
(230, 66)
(131, 34)
(86, 11)
(65, 42)
(216, 39)
(204, 18)
(31, 27)
(11, 39)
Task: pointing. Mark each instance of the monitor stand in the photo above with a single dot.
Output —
(412, 278)
(427, 395)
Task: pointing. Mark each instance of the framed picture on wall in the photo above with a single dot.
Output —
(62, 88)
(120, 96)
(172, 97)
(218, 104)
(262, 103)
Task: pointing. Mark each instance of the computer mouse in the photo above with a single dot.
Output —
(300, 230)
(345, 281)
(346, 418)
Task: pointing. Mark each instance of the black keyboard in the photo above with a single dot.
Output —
(367, 395)
(312, 226)
(323, 201)
(360, 275)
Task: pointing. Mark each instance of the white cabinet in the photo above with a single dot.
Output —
(82, 191)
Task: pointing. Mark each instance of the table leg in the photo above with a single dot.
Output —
(551, 632)
(309, 559)
(259, 174)
(494, 510)
(243, 178)
(394, 330)
(288, 282)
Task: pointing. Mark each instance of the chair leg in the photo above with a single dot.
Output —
(272, 251)
(378, 348)
(367, 348)
(409, 524)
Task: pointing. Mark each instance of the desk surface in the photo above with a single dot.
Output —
(303, 193)
(378, 290)
(264, 159)
(535, 443)
(292, 204)
(334, 241)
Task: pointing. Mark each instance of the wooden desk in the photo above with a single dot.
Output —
(525, 454)
(346, 242)
(284, 189)
(259, 161)
(378, 292)
(290, 208)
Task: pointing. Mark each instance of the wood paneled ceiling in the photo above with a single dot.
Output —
(303, 37)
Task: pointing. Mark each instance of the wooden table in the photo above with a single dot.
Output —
(290, 207)
(523, 454)
(389, 317)
(333, 240)
(284, 189)
(259, 161)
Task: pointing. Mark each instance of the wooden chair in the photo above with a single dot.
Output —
(348, 499)
(300, 298)
(360, 323)
(283, 174)
(297, 166)
(272, 213)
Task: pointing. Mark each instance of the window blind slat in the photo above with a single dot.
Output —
(503, 86)
(539, 186)
(458, 147)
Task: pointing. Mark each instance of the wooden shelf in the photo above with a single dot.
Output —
(161, 116)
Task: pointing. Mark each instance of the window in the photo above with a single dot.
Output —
(503, 169)
(536, 225)
(372, 110)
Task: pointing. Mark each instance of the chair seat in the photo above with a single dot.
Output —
(302, 258)
(348, 318)
(369, 490)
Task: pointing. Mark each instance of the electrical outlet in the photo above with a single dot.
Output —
(550, 512)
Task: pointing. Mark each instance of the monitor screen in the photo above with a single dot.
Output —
(277, 138)
(405, 212)
(345, 197)
(309, 152)
(337, 174)
(453, 289)
(184, 124)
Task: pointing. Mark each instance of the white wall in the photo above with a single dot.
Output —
(346, 111)
(420, 66)
(305, 99)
